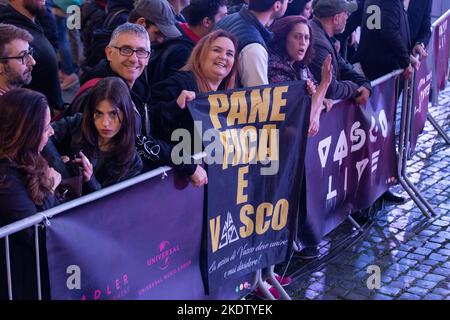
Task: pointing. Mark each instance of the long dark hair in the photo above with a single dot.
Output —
(198, 55)
(22, 124)
(122, 145)
(281, 29)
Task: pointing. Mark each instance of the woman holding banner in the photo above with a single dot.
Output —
(102, 139)
(289, 55)
(212, 66)
(27, 183)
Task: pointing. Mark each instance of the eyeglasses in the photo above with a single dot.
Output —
(25, 57)
(128, 52)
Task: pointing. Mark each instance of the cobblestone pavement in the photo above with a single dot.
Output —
(412, 251)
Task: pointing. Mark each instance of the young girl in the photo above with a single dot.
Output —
(102, 139)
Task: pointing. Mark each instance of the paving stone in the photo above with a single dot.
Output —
(438, 257)
(409, 296)
(432, 296)
(434, 277)
(442, 272)
(426, 284)
(418, 291)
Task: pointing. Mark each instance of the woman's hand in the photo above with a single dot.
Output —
(184, 97)
(86, 166)
(200, 177)
(327, 70)
(310, 87)
(55, 176)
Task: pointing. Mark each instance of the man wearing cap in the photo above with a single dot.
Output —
(157, 18)
(177, 6)
(172, 55)
(330, 18)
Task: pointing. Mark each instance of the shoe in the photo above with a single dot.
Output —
(69, 81)
(284, 281)
(259, 293)
(389, 196)
(308, 253)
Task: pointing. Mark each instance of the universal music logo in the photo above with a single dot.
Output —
(166, 250)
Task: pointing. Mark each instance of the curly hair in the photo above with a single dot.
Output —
(22, 124)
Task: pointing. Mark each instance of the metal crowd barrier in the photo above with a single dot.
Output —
(435, 98)
(407, 115)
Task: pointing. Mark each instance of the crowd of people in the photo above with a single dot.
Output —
(139, 63)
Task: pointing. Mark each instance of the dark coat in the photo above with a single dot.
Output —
(386, 49)
(419, 16)
(345, 79)
(68, 141)
(169, 57)
(45, 72)
(16, 204)
(167, 116)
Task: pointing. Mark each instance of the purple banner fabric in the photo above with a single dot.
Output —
(441, 45)
(349, 164)
(139, 243)
(253, 190)
(421, 98)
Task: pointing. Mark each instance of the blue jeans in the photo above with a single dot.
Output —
(63, 45)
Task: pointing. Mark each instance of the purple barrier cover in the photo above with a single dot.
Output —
(350, 163)
(441, 36)
(421, 98)
(253, 189)
(139, 243)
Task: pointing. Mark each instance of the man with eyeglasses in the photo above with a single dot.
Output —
(16, 58)
(127, 55)
(22, 14)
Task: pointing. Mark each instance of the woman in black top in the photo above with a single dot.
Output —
(27, 184)
(212, 66)
(102, 138)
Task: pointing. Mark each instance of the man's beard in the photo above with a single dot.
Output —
(17, 80)
(34, 7)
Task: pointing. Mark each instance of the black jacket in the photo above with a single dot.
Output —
(345, 79)
(386, 49)
(68, 141)
(16, 204)
(419, 16)
(167, 116)
(45, 72)
(169, 57)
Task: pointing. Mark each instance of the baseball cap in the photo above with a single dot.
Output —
(329, 8)
(160, 13)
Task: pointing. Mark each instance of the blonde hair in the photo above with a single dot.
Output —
(198, 55)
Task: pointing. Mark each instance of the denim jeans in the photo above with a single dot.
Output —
(63, 45)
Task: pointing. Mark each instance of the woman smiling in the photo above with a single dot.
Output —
(212, 66)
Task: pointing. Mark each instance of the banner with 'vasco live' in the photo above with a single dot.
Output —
(255, 141)
(349, 163)
(441, 47)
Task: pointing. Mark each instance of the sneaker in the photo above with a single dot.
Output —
(69, 81)
(308, 253)
(284, 281)
(259, 293)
